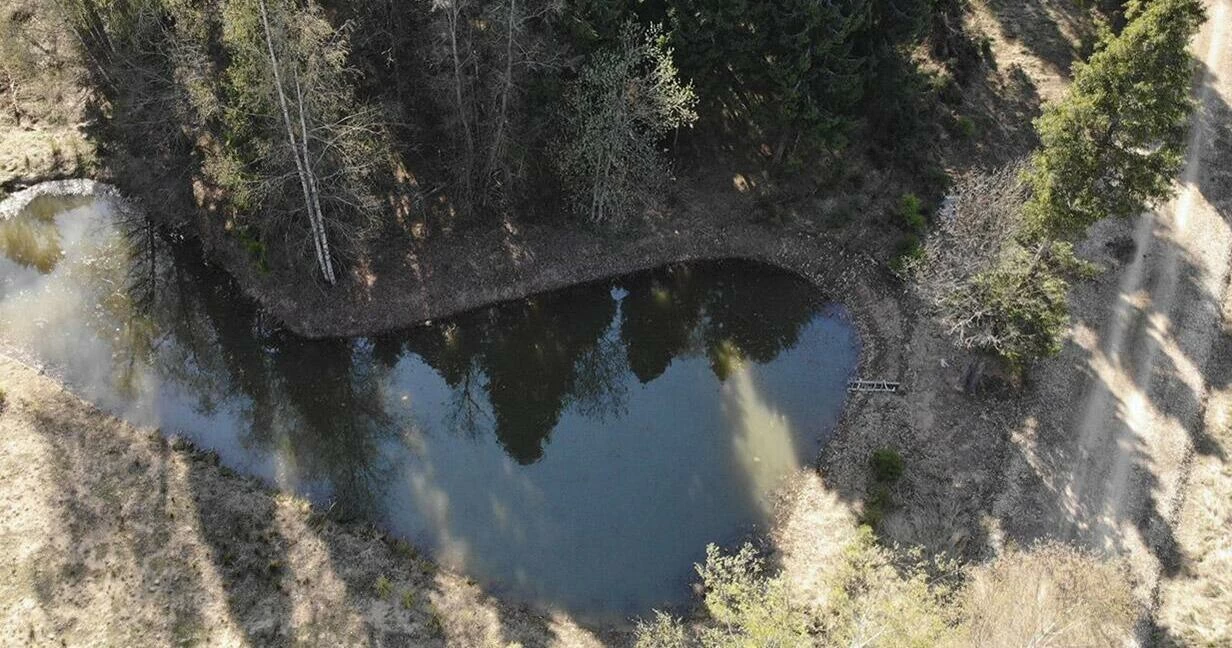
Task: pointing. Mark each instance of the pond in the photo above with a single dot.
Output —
(576, 449)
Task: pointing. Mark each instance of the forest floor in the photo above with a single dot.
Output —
(109, 531)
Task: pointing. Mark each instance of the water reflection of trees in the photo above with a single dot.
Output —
(31, 243)
(732, 312)
(531, 359)
(534, 358)
(314, 404)
(513, 370)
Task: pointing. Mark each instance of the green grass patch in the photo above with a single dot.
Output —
(383, 587)
(887, 466)
(911, 213)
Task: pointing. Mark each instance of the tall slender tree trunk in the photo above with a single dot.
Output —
(312, 186)
(463, 113)
(503, 115)
(307, 183)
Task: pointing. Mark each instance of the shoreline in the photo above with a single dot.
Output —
(403, 302)
(802, 256)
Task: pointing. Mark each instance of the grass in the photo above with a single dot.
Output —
(1196, 603)
(911, 213)
(910, 249)
(876, 505)
(436, 620)
(965, 126)
(405, 550)
(383, 587)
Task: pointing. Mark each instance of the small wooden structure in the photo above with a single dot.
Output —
(872, 386)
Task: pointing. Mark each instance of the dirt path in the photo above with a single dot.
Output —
(1126, 410)
(1115, 461)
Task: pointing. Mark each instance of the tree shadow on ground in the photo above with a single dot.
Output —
(1046, 28)
(221, 558)
(1135, 395)
(1011, 466)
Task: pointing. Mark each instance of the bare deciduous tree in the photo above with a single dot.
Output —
(979, 220)
(489, 51)
(303, 162)
(624, 100)
(291, 94)
(993, 288)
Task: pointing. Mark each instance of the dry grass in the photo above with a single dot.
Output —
(111, 536)
(1052, 595)
(1196, 603)
(42, 98)
(1041, 37)
(43, 153)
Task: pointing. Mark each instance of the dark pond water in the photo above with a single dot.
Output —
(578, 448)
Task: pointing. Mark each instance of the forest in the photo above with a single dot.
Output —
(315, 130)
(319, 138)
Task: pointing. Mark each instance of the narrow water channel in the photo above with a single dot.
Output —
(577, 449)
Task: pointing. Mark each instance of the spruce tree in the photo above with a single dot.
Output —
(1113, 145)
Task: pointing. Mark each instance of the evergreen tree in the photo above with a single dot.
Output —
(788, 69)
(1114, 144)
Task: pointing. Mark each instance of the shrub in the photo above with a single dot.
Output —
(911, 212)
(887, 466)
(664, 631)
(994, 288)
(889, 599)
(4, 400)
(946, 89)
(910, 252)
(383, 587)
(965, 126)
(876, 505)
(751, 608)
(882, 597)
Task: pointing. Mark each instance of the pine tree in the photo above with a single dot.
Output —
(1113, 145)
(788, 69)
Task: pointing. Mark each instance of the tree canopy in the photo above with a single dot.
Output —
(1115, 142)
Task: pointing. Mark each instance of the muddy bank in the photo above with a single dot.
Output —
(449, 274)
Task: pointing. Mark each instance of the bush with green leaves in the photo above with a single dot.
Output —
(890, 597)
(749, 607)
(911, 213)
(663, 631)
(1113, 145)
(994, 287)
(876, 598)
(1018, 309)
(887, 465)
(625, 98)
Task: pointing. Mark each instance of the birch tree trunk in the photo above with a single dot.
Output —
(312, 187)
(507, 87)
(453, 13)
(300, 153)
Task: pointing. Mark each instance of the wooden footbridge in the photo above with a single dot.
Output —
(883, 386)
